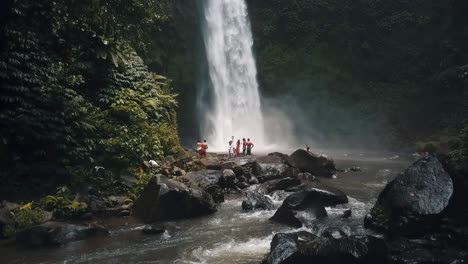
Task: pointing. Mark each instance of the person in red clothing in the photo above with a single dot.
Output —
(237, 150)
(250, 145)
(204, 147)
(199, 144)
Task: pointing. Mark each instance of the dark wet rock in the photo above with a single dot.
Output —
(256, 201)
(54, 233)
(169, 160)
(243, 185)
(228, 165)
(412, 201)
(210, 163)
(125, 213)
(5, 216)
(304, 248)
(279, 184)
(355, 169)
(304, 206)
(228, 180)
(239, 171)
(282, 156)
(253, 180)
(269, 168)
(279, 195)
(216, 193)
(153, 230)
(203, 178)
(243, 179)
(308, 162)
(434, 250)
(87, 216)
(306, 176)
(245, 160)
(346, 214)
(165, 199)
(178, 171)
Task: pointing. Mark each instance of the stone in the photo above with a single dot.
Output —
(282, 156)
(243, 185)
(165, 199)
(304, 206)
(316, 165)
(210, 163)
(304, 248)
(203, 178)
(416, 196)
(153, 230)
(216, 193)
(55, 234)
(276, 185)
(228, 180)
(125, 213)
(256, 201)
(270, 168)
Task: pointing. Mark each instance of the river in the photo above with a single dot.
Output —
(228, 236)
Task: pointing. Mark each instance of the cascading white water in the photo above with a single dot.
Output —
(228, 41)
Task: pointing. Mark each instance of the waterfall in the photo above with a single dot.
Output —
(236, 109)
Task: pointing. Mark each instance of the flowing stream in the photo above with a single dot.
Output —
(229, 236)
(232, 70)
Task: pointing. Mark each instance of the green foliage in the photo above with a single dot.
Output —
(27, 216)
(62, 207)
(75, 90)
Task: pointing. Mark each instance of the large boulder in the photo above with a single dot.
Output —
(312, 163)
(256, 201)
(277, 185)
(413, 199)
(210, 163)
(304, 206)
(55, 233)
(165, 199)
(282, 156)
(304, 248)
(270, 167)
(202, 179)
(229, 179)
(205, 180)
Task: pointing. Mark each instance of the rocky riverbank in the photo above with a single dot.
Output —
(418, 217)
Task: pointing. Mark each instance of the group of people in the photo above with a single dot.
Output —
(247, 146)
(201, 148)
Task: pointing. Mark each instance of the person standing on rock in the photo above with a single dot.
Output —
(204, 147)
(199, 144)
(237, 151)
(230, 146)
(250, 145)
(244, 146)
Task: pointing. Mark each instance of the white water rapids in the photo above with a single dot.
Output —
(233, 74)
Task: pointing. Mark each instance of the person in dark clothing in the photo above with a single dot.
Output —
(250, 145)
(244, 146)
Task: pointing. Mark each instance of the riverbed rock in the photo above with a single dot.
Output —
(229, 179)
(55, 233)
(202, 178)
(270, 168)
(216, 193)
(243, 185)
(304, 248)
(276, 185)
(308, 162)
(256, 201)
(282, 156)
(165, 199)
(153, 229)
(413, 199)
(304, 206)
(210, 163)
